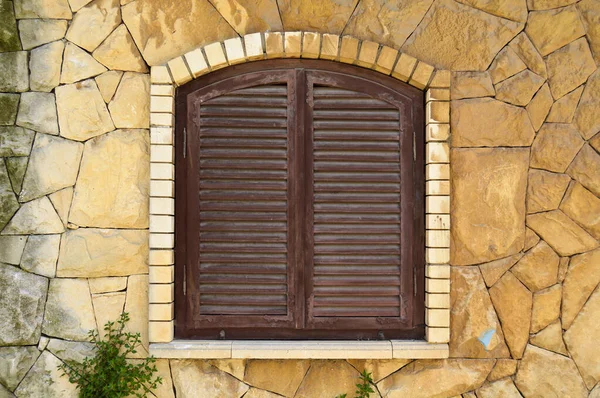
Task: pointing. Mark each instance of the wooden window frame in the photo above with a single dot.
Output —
(413, 261)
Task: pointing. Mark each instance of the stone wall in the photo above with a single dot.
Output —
(525, 119)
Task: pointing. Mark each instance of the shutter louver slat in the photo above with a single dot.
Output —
(243, 164)
(356, 205)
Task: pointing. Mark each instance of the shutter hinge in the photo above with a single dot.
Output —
(184, 141)
(184, 280)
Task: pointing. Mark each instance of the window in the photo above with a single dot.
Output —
(300, 204)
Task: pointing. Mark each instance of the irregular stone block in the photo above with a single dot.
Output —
(526, 51)
(379, 368)
(582, 340)
(563, 110)
(14, 76)
(582, 278)
(37, 111)
(46, 380)
(119, 52)
(15, 362)
(159, 42)
(130, 107)
(488, 203)
(137, 297)
(190, 376)
(68, 351)
(8, 202)
(11, 248)
(590, 14)
(430, 378)
(54, 9)
(61, 200)
(587, 117)
(15, 141)
(104, 197)
(548, 4)
(513, 303)
(92, 253)
(258, 373)
(504, 125)
(9, 37)
(78, 65)
(585, 168)
(44, 64)
(35, 32)
(546, 307)
(107, 284)
(494, 270)
(93, 23)
(21, 306)
(555, 147)
(503, 368)
(385, 22)
(545, 190)
(569, 67)
(322, 16)
(551, 338)
(502, 388)
(41, 254)
(538, 268)
(65, 317)
(506, 64)
(251, 16)
(539, 106)
(327, 378)
(471, 44)
(53, 165)
(583, 207)
(35, 217)
(107, 84)
(107, 308)
(16, 171)
(531, 239)
(82, 113)
(475, 330)
(566, 27)
(471, 85)
(566, 237)
(546, 374)
(8, 108)
(520, 88)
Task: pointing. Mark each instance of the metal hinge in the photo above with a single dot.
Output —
(184, 141)
(184, 280)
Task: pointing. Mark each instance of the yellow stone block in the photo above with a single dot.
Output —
(437, 172)
(162, 171)
(311, 45)
(437, 285)
(254, 46)
(162, 224)
(161, 332)
(179, 71)
(161, 312)
(161, 293)
(404, 67)
(437, 152)
(368, 54)
(437, 187)
(274, 44)
(196, 62)
(437, 132)
(437, 221)
(161, 274)
(161, 257)
(330, 46)
(386, 60)
(215, 56)
(437, 238)
(161, 104)
(437, 204)
(437, 335)
(435, 255)
(437, 317)
(293, 44)
(162, 188)
(162, 206)
(441, 79)
(234, 50)
(437, 112)
(349, 50)
(162, 241)
(160, 74)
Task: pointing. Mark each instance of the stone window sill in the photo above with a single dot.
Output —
(227, 349)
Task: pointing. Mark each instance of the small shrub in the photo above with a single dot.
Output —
(363, 389)
(109, 374)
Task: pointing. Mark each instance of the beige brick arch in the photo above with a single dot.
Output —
(257, 46)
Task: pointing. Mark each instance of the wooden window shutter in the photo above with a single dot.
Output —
(299, 188)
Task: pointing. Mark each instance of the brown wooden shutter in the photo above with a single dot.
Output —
(241, 141)
(299, 204)
(362, 148)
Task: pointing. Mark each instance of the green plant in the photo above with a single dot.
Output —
(363, 389)
(109, 374)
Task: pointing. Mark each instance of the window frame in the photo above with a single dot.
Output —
(182, 192)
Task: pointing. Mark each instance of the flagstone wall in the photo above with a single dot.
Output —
(525, 188)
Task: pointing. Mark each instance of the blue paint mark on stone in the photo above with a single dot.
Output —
(486, 338)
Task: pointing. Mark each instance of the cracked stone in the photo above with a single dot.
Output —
(46, 380)
(35, 32)
(53, 165)
(44, 64)
(520, 88)
(506, 125)
(78, 65)
(92, 253)
(551, 338)
(506, 64)
(538, 268)
(66, 318)
(494, 270)
(37, 111)
(118, 52)
(107, 84)
(21, 306)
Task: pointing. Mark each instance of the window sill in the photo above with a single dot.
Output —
(227, 349)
